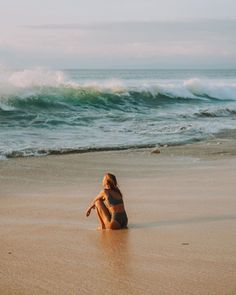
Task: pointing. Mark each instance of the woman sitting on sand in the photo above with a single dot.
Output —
(109, 205)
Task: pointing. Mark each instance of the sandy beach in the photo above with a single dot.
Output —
(181, 238)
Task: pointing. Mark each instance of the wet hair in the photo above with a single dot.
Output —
(112, 182)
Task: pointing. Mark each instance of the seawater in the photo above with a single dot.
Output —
(48, 112)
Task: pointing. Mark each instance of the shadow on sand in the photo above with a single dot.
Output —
(193, 220)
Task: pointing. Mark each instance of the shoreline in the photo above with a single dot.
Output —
(181, 209)
(223, 143)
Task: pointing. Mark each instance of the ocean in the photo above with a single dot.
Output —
(45, 112)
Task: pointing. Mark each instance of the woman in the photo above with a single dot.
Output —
(109, 205)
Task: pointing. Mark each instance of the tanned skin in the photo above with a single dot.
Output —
(104, 212)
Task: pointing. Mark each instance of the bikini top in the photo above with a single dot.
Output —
(114, 201)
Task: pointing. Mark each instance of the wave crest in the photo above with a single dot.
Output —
(224, 90)
(56, 86)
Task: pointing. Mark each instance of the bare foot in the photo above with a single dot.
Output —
(100, 228)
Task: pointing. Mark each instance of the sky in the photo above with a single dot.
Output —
(118, 34)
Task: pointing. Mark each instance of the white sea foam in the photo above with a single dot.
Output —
(19, 83)
(25, 81)
(6, 107)
(32, 77)
(190, 88)
(221, 89)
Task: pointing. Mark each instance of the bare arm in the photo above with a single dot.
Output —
(100, 196)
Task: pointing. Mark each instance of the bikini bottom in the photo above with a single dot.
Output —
(120, 217)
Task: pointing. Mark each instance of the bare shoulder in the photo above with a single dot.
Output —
(102, 194)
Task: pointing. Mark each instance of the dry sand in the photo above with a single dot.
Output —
(181, 238)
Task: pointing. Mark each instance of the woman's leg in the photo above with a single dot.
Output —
(104, 216)
(103, 213)
(100, 220)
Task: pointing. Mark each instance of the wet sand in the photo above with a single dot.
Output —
(182, 219)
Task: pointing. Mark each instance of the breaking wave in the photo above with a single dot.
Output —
(45, 112)
(49, 89)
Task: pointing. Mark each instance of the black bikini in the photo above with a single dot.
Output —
(120, 217)
(114, 201)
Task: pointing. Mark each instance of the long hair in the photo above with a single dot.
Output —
(112, 182)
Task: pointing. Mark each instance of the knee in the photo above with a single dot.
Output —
(98, 203)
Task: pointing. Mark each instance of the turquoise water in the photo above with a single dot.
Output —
(47, 112)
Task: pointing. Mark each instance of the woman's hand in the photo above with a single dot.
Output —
(88, 212)
(99, 197)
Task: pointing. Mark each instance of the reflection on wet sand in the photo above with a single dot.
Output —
(115, 248)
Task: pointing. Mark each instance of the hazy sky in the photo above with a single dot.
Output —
(118, 34)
